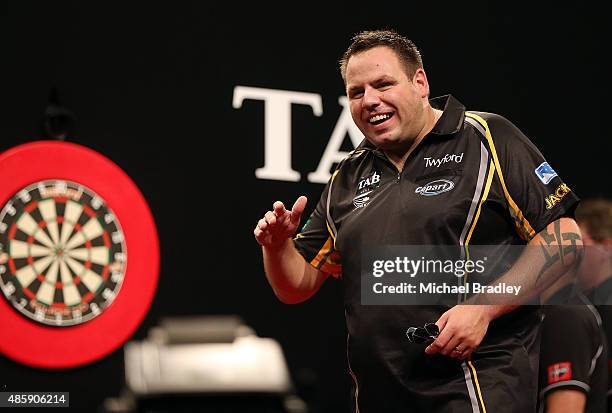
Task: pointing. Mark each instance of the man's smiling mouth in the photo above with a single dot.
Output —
(380, 118)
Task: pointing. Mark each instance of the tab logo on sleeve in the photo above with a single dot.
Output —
(559, 372)
(545, 172)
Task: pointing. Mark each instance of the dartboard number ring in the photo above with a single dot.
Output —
(62, 253)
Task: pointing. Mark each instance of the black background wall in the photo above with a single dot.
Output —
(152, 87)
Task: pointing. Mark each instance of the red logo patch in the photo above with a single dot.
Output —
(559, 372)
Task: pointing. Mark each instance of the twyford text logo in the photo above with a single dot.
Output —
(437, 162)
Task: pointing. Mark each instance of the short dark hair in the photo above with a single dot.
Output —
(405, 49)
(596, 215)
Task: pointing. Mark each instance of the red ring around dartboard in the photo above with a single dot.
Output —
(37, 345)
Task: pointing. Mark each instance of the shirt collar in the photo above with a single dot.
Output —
(453, 113)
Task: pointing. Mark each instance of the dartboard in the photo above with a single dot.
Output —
(62, 253)
(79, 255)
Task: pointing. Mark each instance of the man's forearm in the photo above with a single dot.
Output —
(549, 255)
(291, 277)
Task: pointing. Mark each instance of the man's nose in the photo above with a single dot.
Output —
(371, 97)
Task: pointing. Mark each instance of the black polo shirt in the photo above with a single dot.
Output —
(573, 352)
(475, 179)
(605, 311)
(602, 295)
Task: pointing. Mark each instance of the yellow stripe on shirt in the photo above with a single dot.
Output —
(524, 228)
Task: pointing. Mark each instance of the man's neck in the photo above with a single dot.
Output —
(399, 158)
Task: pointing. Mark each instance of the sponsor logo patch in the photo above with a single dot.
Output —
(435, 187)
(559, 372)
(553, 199)
(364, 188)
(545, 172)
(437, 162)
(362, 200)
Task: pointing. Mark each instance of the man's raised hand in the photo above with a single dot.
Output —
(279, 224)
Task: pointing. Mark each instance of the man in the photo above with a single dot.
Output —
(496, 189)
(594, 217)
(573, 354)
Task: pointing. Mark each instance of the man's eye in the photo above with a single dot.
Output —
(356, 95)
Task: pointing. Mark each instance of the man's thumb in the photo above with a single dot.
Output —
(298, 209)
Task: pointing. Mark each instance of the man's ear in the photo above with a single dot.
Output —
(421, 83)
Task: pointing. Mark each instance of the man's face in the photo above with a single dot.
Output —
(386, 105)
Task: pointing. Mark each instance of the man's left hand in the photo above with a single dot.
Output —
(462, 329)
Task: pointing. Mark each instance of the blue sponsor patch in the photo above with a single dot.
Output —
(545, 173)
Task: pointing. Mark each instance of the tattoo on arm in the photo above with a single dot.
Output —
(556, 238)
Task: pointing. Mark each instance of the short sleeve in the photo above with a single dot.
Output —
(566, 362)
(315, 242)
(536, 194)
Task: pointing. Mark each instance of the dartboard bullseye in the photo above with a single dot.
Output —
(62, 253)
